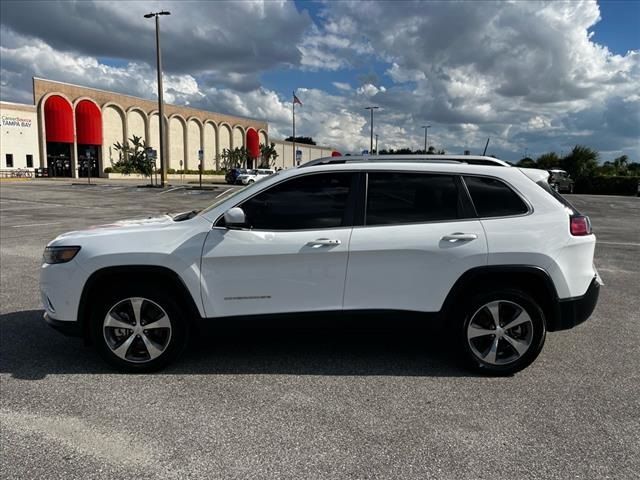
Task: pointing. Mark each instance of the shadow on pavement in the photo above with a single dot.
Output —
(31, 350)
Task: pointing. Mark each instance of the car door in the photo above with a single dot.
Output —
(292, 255)
(419, 236)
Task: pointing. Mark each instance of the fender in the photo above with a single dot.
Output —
(132, 271)
(534, 279)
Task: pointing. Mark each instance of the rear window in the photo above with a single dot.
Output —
(493, 198)
(547, 188)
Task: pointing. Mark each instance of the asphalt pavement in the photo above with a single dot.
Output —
(315, 403)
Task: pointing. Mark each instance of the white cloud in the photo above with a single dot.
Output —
(341, 86)
(369, 90)
(526, 74)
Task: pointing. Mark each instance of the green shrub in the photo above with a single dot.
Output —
(108, 170)
(607, 185)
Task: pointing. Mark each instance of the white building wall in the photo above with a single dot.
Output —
(238, 137)
(209, 147)
(309, 152)
(154, 133)
(136, 125)
(19, 136)
(176, 143)
(225, 138)
(193, 144)
(112, 132)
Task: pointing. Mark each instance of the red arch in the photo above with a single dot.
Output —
(58, 120)
(253, 143)
(88, 123)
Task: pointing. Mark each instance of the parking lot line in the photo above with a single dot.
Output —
(35, 224)
(626, 244)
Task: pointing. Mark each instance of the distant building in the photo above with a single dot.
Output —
(70, 126)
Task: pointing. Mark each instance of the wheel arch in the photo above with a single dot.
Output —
(532, 279)
(133, 273)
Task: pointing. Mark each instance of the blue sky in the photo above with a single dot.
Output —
(619, 28)
(530, 75)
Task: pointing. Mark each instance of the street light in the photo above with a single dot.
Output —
(376, 144)
(426, 135)
(163, 165)
(371, 142)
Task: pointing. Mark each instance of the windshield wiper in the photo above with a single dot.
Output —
(185, 216)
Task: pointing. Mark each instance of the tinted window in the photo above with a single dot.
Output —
(29, 161)
(394, 198)
(493, 198)
(9, 160)
(547, 188)
(309, 202)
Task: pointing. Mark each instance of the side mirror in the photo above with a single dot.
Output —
(235, 218)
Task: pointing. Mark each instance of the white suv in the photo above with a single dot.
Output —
(486, 247)
(253, 176)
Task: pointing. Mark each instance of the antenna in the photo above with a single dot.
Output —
(485, 147)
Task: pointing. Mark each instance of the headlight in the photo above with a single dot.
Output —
(59, 254)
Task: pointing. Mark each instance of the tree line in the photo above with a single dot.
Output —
(582, 162)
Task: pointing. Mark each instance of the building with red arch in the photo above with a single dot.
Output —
(70, 129)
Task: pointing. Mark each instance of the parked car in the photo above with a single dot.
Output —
(491, 250)
(253, 176)
(233, 174)
(561, 181)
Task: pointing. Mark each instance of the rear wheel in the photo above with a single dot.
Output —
(138, 328)
(502, 332)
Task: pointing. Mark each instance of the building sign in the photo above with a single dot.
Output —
(19, 122)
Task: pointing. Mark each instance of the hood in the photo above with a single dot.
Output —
(138, 224)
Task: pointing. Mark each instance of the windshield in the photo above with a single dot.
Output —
(229, 193)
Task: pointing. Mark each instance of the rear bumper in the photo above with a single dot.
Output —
(573, 311)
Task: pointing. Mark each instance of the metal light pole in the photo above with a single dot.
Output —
(426, 136)
(163, 165)
(371, 109)
(376, 144)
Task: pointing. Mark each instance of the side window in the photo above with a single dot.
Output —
(394, 198)
(29, 161)
(9, 160)
(493, 198)
(308, 202)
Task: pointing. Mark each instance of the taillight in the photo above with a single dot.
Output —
(580, 225)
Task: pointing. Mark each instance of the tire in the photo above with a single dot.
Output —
(251, 181)
(510, 349)
(149, 349)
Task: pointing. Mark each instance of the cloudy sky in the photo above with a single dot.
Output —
(533, 76)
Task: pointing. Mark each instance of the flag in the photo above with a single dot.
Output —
(296, 100)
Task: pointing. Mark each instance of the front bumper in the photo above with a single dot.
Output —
(574, 311)
(71, 329)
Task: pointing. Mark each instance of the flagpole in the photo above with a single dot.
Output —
(293, 98)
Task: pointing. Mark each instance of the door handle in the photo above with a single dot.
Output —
(460, 237)
(323, 242)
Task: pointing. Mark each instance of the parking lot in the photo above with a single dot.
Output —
(309, 403)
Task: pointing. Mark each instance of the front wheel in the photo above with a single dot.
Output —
(138, 329)
(502, 332)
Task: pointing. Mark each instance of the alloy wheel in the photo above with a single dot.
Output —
(137, 330)
(500, 332)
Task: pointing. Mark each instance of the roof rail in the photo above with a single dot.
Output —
(468, 159)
